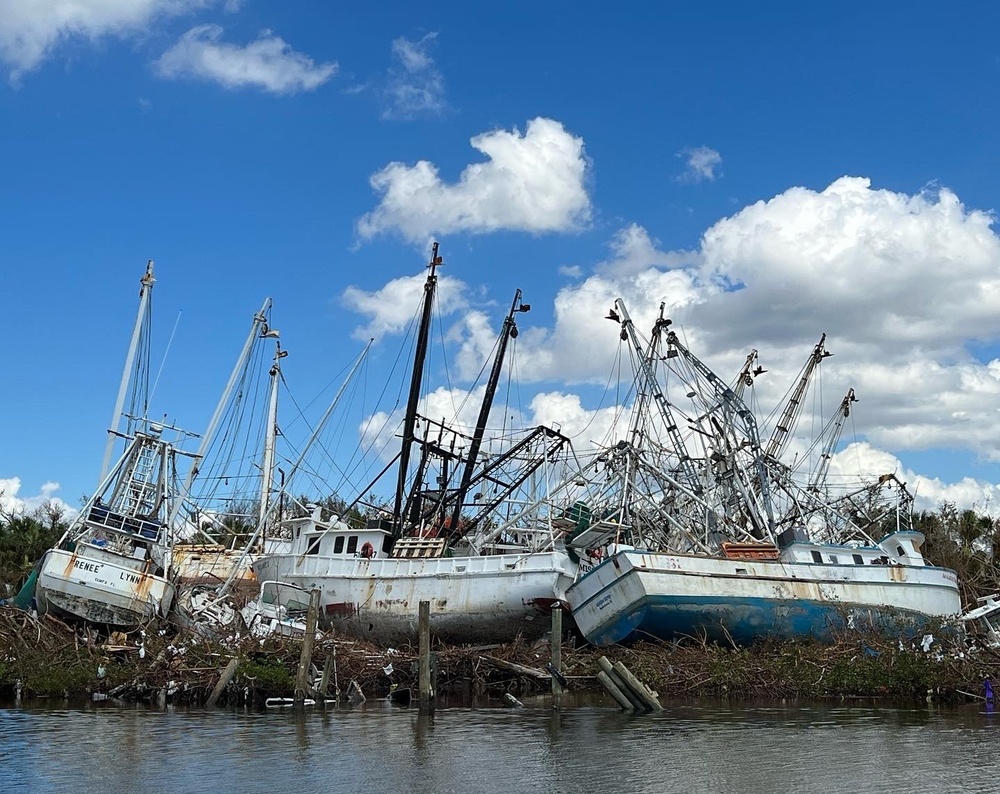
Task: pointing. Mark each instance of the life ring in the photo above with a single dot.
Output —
(367, 551)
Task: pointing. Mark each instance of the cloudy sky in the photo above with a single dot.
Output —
(770, 172)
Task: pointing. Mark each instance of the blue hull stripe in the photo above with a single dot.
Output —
(746, 620)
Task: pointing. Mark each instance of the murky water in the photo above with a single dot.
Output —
(690, 747)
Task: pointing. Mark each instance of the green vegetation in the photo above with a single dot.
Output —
(967, 542)
(23, 540)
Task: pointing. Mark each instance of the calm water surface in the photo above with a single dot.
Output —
(691, 747)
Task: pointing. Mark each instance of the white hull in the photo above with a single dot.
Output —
(102, 588)
(636, 594)
(491, 598)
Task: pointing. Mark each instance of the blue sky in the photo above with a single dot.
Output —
(771, 171)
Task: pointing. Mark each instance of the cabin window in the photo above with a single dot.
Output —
(817, 557)
(352, 544)
(338, 545)
(312, 546)
(900, 552)
(858, 560)
(386, 544)
(741, 571)
(834, 559)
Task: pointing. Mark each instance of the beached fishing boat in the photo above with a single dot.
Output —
(758, 591)
(695, 528)
(435, 543)
(109, 568)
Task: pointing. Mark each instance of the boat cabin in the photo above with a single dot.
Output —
(334, 538)
(897, 548)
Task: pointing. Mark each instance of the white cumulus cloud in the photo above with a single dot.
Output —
(268, 63)
(395, 305)
(12, 503)
(533, 182)
(32, 30)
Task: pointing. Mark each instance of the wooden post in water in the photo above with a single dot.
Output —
(305, 657)
(649, 702)
(224, 679)
(613, 675)
(324, 681)
(555, 644)
(424, 634)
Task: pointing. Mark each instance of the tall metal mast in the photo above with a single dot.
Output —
(650, 389)
(410, 420)
(818, 478)
(733, 408)
(145, 294)
(509, 331)
(779, 437)
(258, 329)
(267, 464)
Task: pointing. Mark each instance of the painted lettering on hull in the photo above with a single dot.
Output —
(90, 567)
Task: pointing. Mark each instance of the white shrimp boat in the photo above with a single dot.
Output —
(701, 531)
(372, 579)
(109, 567)
(757, 592)
(368, 592)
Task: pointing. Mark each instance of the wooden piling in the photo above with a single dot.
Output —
(609, 670)
(614, 691)
(224, 679)
(302, 687)
(324, 681)
(555, 644)
(650, 703)
(426, 689)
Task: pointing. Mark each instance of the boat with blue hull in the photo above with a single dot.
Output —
(692, 525)
(742, 598)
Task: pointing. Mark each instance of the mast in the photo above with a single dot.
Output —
(267, 463)
(780, 436)
(258, 329)
(410, 420)
(818, 478)
(145, 294)
(509, 331)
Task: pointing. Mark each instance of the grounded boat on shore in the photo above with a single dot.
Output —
(758, 591)
(708, 536)
(367, 591)
(109, 567)
(435, 543)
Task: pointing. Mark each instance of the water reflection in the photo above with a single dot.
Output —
(700, 746)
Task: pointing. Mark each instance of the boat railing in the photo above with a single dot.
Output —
(105, 518)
